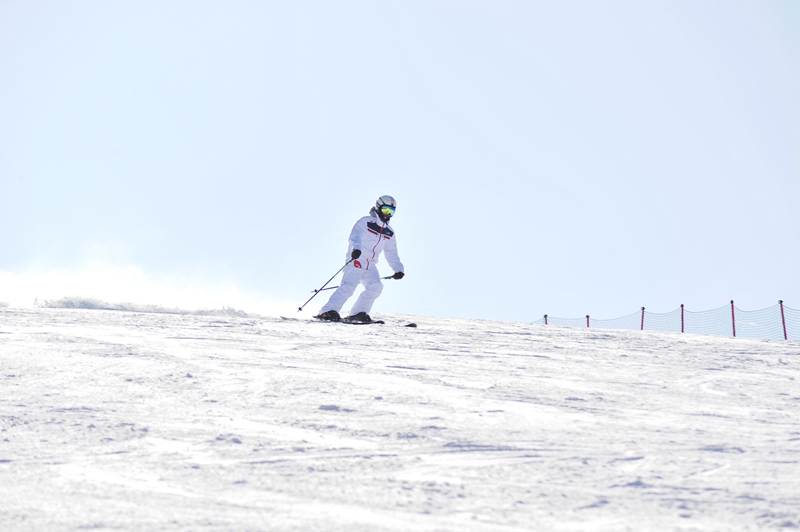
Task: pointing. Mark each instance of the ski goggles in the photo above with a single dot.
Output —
(388, 210)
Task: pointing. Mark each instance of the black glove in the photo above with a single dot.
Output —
(398, 275)
(355, 254)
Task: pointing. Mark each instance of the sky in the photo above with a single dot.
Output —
(561, 158)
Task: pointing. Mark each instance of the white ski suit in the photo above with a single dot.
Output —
(371, 235)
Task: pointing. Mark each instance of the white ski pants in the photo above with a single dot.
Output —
(373, 287)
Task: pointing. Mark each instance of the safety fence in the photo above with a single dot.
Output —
(778, 322)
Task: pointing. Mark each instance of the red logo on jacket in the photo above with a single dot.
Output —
(356, 264)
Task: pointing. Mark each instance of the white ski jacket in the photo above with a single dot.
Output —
(372, 236)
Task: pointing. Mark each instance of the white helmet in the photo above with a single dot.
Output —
(385, 207)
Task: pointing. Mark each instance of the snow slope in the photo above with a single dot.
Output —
(134, 421)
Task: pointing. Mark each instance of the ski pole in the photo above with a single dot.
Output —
(300, 308)
(335, 287)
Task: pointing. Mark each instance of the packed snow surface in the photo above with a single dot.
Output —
(113, 420)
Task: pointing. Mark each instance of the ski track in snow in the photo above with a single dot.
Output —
(127, 421)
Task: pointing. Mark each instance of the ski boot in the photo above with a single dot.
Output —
(361, 317)
(330, 315)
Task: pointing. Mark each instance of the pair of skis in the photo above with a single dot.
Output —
(373, 322)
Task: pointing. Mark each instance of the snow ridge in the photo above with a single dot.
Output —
(89, 303)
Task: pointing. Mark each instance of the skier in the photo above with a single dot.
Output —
(370, 236)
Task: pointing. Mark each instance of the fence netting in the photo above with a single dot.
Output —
(716, 322)
(777, 322)
(630, 322)
(566, 322)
